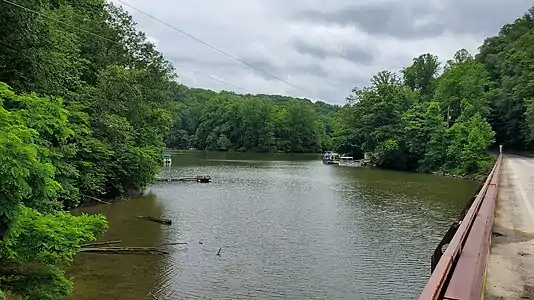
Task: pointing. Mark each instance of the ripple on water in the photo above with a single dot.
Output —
(288, 230)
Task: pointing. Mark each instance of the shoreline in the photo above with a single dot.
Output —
(473, 177)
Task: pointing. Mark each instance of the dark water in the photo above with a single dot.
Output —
(289, 227)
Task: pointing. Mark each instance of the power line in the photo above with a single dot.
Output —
(212, 78)
(109, 40)
(213, 47)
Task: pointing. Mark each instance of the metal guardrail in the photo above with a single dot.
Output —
(447, 238)
(460, 272)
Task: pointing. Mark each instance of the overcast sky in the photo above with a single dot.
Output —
(325, 47)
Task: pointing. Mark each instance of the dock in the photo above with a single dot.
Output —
(200, 179)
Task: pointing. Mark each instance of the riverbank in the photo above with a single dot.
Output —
(474, 177)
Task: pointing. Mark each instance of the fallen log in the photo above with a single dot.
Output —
(172, 244)
(96, 199)
(157, 220)
(124, 250)
(101, 244)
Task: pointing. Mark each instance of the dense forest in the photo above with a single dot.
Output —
(259, 123)
(444, 117)
(87, 104)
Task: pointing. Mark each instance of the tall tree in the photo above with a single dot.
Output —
(421, 75)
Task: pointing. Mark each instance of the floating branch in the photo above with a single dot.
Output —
(124, 250)
(172, 244)
(101, 243)
(153, 297)
(157, 220)
(96, 199)
(201, 179)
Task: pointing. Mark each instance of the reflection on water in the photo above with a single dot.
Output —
(289, 227)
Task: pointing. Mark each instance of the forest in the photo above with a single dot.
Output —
(259, 123)
(87, 104)
(435, 117)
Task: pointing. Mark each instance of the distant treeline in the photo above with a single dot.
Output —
(261, 123)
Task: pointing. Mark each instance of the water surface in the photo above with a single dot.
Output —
(289, 228)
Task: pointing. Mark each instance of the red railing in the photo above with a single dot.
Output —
(460, 272)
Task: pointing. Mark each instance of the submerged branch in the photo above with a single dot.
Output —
(101, 243)
(124, 250)
(172, 244)
(157, 220)
(96, 199)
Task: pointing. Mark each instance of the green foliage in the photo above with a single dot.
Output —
(404, 125)
(421, 75)
(48, 239)
(509, 60)
(446, 122)
(464, 79)
(226, 121)
(34, 174)
(86, 116)
(37, 245)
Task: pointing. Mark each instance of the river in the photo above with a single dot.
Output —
(289, 228)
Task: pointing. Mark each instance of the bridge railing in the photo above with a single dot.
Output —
(460, 272)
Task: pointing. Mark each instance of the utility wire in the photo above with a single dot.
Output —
(59, 21)
(106, 39)
(212, 78)
(213, 47)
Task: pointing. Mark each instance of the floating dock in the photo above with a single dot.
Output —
(200, 179)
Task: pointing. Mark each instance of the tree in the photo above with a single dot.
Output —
(35, 240)
(421, 75)
(223, 142)
(404, 125)
(463, 79)
(508, 58)
(258, 123)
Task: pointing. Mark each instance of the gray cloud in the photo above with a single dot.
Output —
(482, 17)
(351, 53)
(421, 19)
(280, 71)
(315, 51)
(326, 47)
(358, 55)
(393, 19)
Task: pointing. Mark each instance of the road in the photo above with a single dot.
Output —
(510, 273)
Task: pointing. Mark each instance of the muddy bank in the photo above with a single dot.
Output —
(475, 177)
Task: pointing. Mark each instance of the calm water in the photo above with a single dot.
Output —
(289, 227)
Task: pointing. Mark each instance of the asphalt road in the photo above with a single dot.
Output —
(510, 273)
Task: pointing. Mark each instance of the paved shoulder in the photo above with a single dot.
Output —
(510, 273)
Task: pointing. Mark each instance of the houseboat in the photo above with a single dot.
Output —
(331, 158)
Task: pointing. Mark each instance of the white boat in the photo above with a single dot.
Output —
(331, 158)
